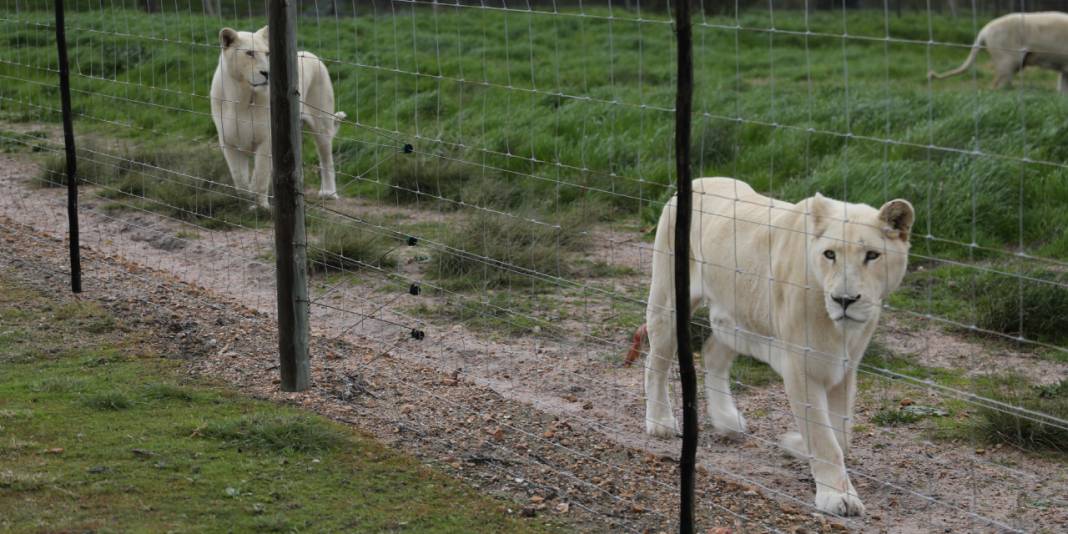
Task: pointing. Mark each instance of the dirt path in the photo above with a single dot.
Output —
(909, 484)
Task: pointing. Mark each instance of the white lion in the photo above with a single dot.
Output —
(797, 286)
(1019, 40)
(240, 109)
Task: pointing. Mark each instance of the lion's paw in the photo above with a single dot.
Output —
(663, 427)
(730, 425)
(332, 195)
(835, 502)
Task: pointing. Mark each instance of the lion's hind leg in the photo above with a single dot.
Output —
(659, 416)
(716, 358)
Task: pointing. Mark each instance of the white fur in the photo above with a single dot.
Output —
(240, 109)
(760, 266)
(1019, 40)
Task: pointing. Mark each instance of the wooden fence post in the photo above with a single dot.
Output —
(289, 236)
(68, 143)
(687, 374)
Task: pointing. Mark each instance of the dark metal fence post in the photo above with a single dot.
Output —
(289, 237)
(68, 142)
(683, 106)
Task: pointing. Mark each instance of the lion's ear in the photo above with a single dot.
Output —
(898, 216)
(819, 210)
(227, 36)
(262, 33)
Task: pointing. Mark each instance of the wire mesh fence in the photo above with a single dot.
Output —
(501, 169)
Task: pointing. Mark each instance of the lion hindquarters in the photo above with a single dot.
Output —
(318, 114)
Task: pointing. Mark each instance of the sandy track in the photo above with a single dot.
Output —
(909, 484)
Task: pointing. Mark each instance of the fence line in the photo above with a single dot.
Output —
(493, 141)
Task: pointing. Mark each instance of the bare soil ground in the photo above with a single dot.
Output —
(547, 414)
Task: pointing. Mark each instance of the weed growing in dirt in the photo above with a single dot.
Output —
(499, 313)
(894, 417)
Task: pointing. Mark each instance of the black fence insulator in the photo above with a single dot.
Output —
(408, 148)
(417, 334)
(414, 289)
(412, 240)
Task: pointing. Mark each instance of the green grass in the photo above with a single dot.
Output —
(504, 136)
(1017, 299)
(98, 433)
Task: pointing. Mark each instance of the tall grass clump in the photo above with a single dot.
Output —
(295, 433)
(1033, 304)
(490, 250)
(347, 246)
(186, 182)
(998, 425)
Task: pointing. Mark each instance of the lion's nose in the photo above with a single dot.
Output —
(264, 73)
(844, 302)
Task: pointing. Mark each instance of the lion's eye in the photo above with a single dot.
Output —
(250, 53)
(829, 254)
(871, 256)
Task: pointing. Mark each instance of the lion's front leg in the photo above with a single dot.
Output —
(842, 399)
(810, 406)
(261, 174)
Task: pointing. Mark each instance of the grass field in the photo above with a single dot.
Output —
(566, 119)
(558, 113)
(98, 432)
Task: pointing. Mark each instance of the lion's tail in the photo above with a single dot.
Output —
(636, 345)
(339, 117)
(979, 41)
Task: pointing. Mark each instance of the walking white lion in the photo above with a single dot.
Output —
(797, 286)
(240, 109)
(1019, 40)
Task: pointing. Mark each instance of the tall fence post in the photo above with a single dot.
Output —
(289, 236)
(687, 374)
(68, 143)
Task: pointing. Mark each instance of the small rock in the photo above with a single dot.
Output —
(537, 499)
(907, 402)
(563, 508)
(548, 434)
(407, 409)
(56, 450)
(498, 434)
(528, 511)
(570, 398)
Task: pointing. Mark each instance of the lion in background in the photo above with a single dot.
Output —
(240, 108)
(1019, 40)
